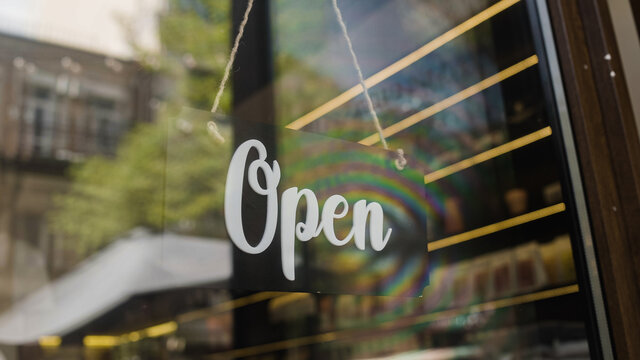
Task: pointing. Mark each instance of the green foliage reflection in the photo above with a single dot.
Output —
(109, 196)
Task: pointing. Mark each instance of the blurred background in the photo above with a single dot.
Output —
(98, 260)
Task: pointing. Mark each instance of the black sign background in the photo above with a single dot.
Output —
(327, 167)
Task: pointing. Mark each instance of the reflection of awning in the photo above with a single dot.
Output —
(131, 266)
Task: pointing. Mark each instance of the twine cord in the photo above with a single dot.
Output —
(232, 57)
(400, 162)
(212, 127)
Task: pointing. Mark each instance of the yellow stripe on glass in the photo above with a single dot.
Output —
(493, 228)
(487, 155)
(396, 324)
(229, 305)
(161, 329)
(452, 100)
(100, 341)
(51, 341)
(106, 341)
(402, 63)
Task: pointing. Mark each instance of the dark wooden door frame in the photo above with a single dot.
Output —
(635, 7)
(609, 154)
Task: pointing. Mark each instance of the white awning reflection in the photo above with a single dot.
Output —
(139, 264)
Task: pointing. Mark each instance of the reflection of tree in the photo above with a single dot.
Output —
(299, 41)
(111, 195)
(299, 88)
(196, 170)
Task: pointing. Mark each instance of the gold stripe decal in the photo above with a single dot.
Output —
(487, 155)
(229, 305)
(50, 341)
(502, 225)
(452, 100)
(402, 63)
(400, 323)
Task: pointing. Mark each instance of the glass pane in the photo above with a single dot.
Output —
(113, 247)
(458, 87)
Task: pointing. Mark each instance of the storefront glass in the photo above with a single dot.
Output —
(112, 236)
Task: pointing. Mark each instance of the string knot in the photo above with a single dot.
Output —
(213, 131)
(401, 161)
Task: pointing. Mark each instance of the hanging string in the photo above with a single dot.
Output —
(232, 57)
(213, 128)
(400, 162)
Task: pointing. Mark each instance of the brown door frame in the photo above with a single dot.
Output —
(608, 150)
(635, 7)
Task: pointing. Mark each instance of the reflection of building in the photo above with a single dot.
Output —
(67, 103)
(57, 105)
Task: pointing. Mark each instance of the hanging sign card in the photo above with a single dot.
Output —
(299, 211)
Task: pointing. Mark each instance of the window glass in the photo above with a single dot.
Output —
(107, 253)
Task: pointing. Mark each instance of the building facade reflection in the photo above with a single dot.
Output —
(58, 106)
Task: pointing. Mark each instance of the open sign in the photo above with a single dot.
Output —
(301, 212)
(310, 228)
